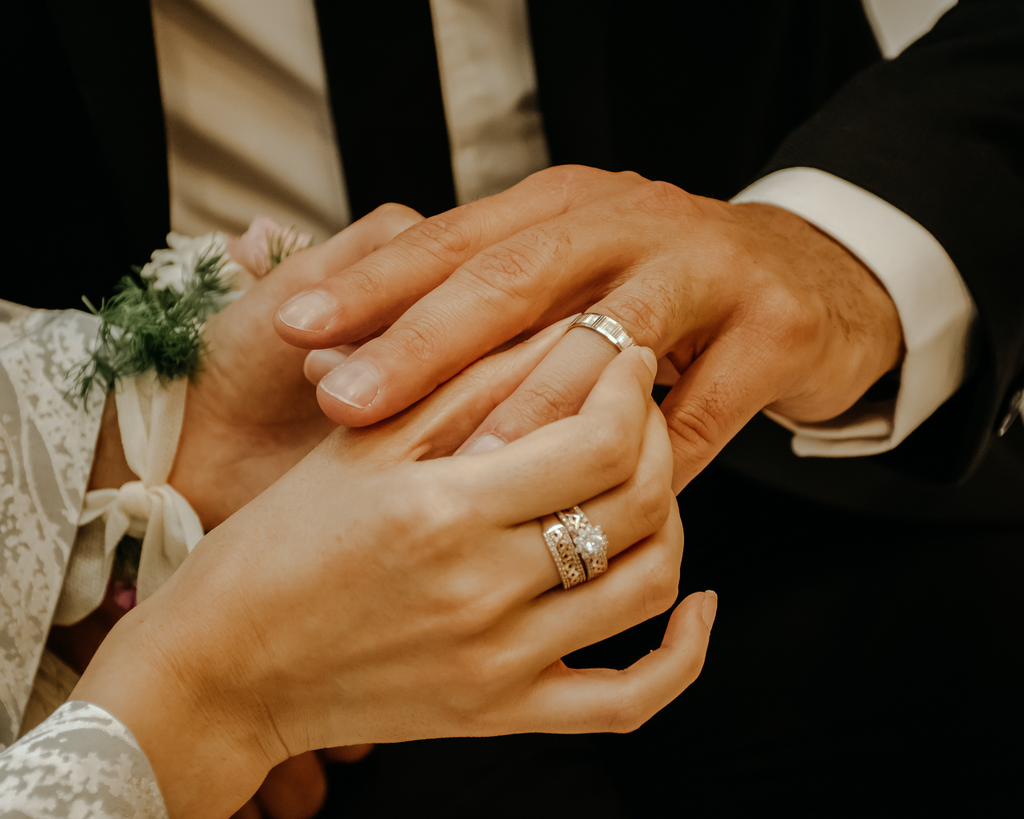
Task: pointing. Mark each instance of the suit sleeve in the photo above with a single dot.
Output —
(939, 134)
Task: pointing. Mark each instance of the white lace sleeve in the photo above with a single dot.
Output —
(46, 452)
(81, 762)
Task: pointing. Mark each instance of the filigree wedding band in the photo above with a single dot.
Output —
(606, 326)
(563, 551)
(578, 547)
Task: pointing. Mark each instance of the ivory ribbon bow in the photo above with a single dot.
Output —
(150, 416)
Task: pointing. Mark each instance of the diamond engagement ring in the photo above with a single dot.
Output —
(578, 547)
(589, 540)
(606, 326)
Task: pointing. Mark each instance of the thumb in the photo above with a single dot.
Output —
(712, 401)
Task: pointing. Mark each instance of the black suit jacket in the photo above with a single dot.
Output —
(703, 95)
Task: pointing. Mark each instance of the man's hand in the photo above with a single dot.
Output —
(751, 304)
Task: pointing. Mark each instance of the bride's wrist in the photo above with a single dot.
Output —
(207, 750)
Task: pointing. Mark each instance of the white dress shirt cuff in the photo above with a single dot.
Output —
(935, 308)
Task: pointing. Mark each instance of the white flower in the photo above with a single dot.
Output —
(175, 266)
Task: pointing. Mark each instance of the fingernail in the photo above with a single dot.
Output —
(307, 311)
(320, 362)
(485, 443)
(355, 384)
(650, 359)
(327, 359)
(710, 608)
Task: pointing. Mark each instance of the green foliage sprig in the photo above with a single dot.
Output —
(144, 327)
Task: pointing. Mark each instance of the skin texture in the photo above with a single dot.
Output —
(750, 303)
(303, 622)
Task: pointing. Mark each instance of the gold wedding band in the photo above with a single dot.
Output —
(578, 547)
(607, 327)
(563, 552)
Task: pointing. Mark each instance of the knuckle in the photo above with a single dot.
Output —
(396, 217)
(445, 237)
(421, 343)
(426, 525)
(660, 197)
(495, 667)
(512, 267)
(660, 585)
(612, 455)
(567, 177)
(631, 178)
(652, 494)
(466, 610)
(367, 278)
(540, 404)
(790, 324)
(639, 309)
(695, 424)
(506, 269)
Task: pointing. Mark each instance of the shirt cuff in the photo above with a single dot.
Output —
(935, 307)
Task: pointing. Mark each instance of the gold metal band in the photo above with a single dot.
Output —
(563, 551)
(608, 327)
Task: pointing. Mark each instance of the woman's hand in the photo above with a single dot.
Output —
(379, 592)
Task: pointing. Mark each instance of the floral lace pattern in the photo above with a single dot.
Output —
(46, 452)
(80, 763)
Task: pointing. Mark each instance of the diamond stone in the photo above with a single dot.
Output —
(592, 541)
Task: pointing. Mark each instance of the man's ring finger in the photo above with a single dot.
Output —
(607, 327)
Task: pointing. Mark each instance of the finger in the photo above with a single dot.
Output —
(347, 754)
(250, 810)
(297, 272)
(716, 396)
(380, 289)
(483, 304)
(576, 701)
(295, 789)
(540, 274)
(439, 424)
(308, 268)
(627, 514)
(320, 362)
(641, 582)
(556, 389)
(569, 461)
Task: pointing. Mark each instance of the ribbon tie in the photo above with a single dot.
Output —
(150, 414)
